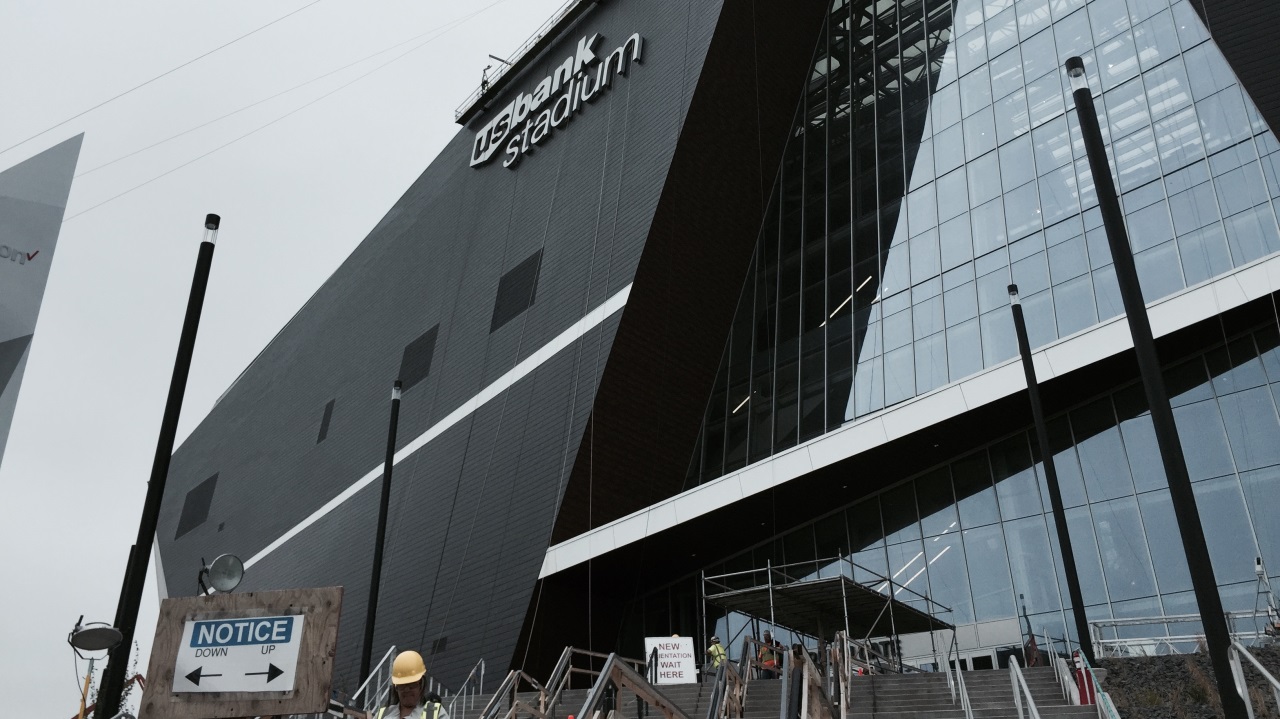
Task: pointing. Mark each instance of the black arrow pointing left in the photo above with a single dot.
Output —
(272, 672)
(196, 676)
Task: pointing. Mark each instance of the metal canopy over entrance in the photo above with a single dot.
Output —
(824, 600)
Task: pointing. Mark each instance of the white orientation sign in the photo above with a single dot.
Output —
(246, 654)
(677, 664)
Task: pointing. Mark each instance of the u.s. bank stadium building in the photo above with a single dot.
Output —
(710, 295)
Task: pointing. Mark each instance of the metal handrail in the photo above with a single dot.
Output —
(464, 692)
(617, 672)
(1062, 673)
(382, 684)
(959, 690)
(1106, 707)
(1020, 689)
(718, 688)
(1235, 651)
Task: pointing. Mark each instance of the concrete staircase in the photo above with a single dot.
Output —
(926, 696)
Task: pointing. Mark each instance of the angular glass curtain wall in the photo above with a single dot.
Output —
(935, 159)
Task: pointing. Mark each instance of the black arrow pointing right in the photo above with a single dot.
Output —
(196, 676)
(272, 672)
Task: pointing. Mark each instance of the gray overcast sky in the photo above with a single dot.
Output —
(296, 198)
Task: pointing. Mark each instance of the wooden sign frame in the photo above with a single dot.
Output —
(310, 695)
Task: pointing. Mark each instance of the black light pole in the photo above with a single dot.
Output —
(135, 573)
(1051, 479)
(1144, 347)
(371, 614)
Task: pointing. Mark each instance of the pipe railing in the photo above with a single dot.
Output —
(1237, 650)
(959, 690)
(472, 687)
(382, 673)
(717, 696)
(617, 673)
(1067, 678)
(1021, 691)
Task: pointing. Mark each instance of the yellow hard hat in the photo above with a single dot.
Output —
(407, 668)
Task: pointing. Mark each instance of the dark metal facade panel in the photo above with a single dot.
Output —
(1245, 32)
(471, 512)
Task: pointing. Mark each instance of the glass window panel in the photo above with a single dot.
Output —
(979, 133)
(1139, 439)
(1149, 227)
(927, 317)
(996, 261)
(1159, 271)
(1166, 542)
(863, 520)
(949, 577)
(1240, 189)
(948, 148)
(1058, 195)
(922, 210)
(1006, 73)
(1145, 196)
(1033, 16)
(988, 227)
(971, 51)
(1235, 367)
(1252, 234)
(1126, 108)
(1102, 458)
(1252, 429)
(1205, 253)
(1033, 564)
(975, 91)
(1041, 329)
(1186, 178)
(1141, 9)
(1068, 260)
(1044, 99)
(898, 512)
(1109, 18)
(944, 107)
(998, 341)
(1022, 211)
(1011, 115)
(907, 564)
(958, 276)
(957, 245)
(1073, 301)
(1073, 36)
(1168, 89)
(964, 350)
(1117, 60)
(1039, 56)
(1262, 496)
(937, 503)
(1204, 441)
(868, 385)
(1123, 546)
(1052, 145)
(1135, 158)
(1106, 291)
(1207, 70)
(1232, 157)
(968, 15)
(953, 195)
(1226, 529)
(1155, 41)
(1016, 486)
(1179, 141)
(1194, 209)
(1063, 231)
(1191, 31)
(1084, 543)
(961, 304)
(924, 257)
(1002, 32)
(1223, 120)
(897, 330)
(1026, 247)
(1031, 274)
(1017, 163)
(993, 291)
(1271, 168)
(984, 179)
(931, 360)
(975, 494)
(899, 374)
(989, 573)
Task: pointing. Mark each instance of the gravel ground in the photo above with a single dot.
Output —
(1182, 687)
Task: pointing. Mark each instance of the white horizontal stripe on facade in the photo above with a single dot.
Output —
(579, 329)
(1195, 304)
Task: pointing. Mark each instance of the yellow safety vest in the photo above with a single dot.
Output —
(717, 655)
(435, 713)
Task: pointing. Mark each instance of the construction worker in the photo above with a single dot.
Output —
(716, 652)
(769, 656)
(409, 698)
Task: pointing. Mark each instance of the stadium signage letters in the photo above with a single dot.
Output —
(530, 119)
(13, 254)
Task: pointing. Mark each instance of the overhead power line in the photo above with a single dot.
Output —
(157, 77)
(445, 29)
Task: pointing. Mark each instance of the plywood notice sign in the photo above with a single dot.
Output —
(239, 655)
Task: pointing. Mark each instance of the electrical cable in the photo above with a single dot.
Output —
(268, 124)
(157, 77)
(442, 28)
